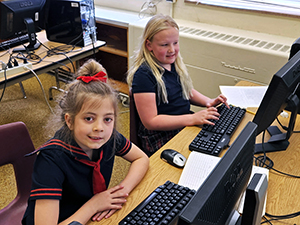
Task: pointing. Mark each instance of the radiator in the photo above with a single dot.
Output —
(217, 55)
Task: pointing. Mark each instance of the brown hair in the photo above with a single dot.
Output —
(77, 92)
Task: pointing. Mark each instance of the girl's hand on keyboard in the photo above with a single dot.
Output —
(204, 116)
(218, 100)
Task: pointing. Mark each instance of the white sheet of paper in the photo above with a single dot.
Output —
(197, 168)
(244, 96)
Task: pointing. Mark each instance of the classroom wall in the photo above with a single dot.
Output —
(275, 24)
(220, 61)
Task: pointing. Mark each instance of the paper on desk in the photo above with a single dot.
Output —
(197, 168)
(244, 96)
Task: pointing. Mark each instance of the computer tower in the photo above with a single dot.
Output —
(255, 200)
(71, 22)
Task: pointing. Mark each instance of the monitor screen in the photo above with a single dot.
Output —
(282, 93)
(19, 17)
(217, 197)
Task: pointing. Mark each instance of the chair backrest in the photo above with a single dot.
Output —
(134, 122)
(15, 144)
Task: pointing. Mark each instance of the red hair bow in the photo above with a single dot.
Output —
(99, 76)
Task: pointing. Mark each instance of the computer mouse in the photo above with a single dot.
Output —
(173, 157)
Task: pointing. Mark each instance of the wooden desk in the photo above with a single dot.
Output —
(282, 196)
(50, 62)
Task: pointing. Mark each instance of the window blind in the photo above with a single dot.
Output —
(291, 7)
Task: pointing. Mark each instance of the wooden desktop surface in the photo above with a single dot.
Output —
(50, 62)
(282, 195)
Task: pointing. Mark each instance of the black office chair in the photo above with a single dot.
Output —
(134, 122)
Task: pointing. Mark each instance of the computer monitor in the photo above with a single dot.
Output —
(20, 17)
(282, 93)
(215, 200)
(71, 22)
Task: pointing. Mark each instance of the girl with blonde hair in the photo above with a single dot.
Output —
(162, 88)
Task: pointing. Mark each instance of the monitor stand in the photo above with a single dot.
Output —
(279, 141)
(33, 44)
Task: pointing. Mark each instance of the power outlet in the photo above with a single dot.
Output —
(16, 69)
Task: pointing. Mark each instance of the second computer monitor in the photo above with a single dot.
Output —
(282, 93)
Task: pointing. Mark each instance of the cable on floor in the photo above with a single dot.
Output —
(36, 76)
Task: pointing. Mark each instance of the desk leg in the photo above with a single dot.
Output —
(22, 89)
(57, 87)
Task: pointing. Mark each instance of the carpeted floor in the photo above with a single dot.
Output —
(34, 112)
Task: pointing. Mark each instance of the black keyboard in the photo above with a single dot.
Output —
(212, 139)
(161, 207)
(5, 45)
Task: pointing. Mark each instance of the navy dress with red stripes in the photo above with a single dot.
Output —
(64, 172)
